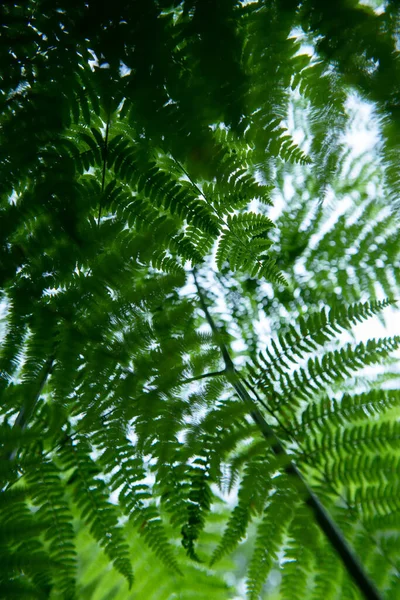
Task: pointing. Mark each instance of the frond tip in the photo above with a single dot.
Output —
(97, 512)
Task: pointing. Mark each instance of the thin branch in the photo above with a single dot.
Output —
(212, 374)
(324, 520)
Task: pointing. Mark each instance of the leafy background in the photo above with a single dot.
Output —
(185, 226)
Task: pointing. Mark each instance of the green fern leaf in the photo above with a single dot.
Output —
(253, 492)
(92, 501)
(48, 495)
(270, 533)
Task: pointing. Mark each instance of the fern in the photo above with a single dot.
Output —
(199, 503)
(243, 244)
(272, 528)
(134, 495)
(99, 514)
(29, 567)
(252, 495)
(188, 242)
(299, 556)
(315, 331)
(348, 409)
(319, 372)
(48, 495)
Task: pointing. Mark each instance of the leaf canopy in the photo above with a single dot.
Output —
(187, 242)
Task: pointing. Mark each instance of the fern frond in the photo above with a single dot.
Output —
(199, 503)
(254, 488)
(161, 189)
(327, 412)
(270, 533)
(283, 146)
(163, 583)
(135, 497)
(333, 366)
(243, 243)
(13, 342)
(90, 496)
(384, 435)
(238, 461)
(53, 511)
(311, 333)
(29, 566)
(362, 469)
(304, 541)
(382, 498)
(329, 576)
(139, 139)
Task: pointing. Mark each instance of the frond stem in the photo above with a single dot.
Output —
(267, 408)
(203, 376)
(196, 187)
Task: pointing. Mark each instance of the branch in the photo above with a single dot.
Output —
(212, 374)
(322, 517)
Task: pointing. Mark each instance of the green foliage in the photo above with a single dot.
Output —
(143, 142)
(97, 513)
(243, 244)
(270, 535)
(254, 487)
(152, 579)
(48, 493)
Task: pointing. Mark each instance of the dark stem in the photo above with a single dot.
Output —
(203, 376)
(322, 517)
